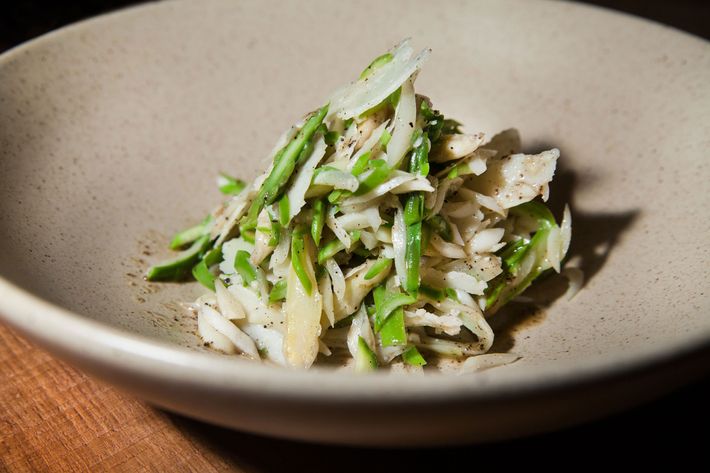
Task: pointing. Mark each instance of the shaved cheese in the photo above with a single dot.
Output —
(452, 147)
(256, 311)
(396, 179)
(229, 306)
(336, 275)
(212, 336)
(364, 94)
(485, 241)
(399, 239)
(337, 228)
(405, 117)
(368, 239)
(459, 209)
(565, 231)
(454, 280)
(303, 315)
(447, 249)
(418, 184)
(302, 180)
(517, 178)
(367, 218)
(261, 243)
(337, 180)
(448, 324)
(269, 342)
(344, 148)
(240, 340)
(326, 292)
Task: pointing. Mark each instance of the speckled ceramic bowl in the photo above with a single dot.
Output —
(112, 130)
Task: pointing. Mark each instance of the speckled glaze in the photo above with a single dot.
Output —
(111, 132)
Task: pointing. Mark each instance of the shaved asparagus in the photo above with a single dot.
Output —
(284, 165)
(178, 267)
(379, 226)
(201, 271)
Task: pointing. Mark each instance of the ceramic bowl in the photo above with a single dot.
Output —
(112, 131)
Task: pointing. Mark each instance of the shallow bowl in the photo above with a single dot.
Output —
(112, 130)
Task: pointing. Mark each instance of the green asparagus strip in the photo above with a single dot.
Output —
(413, 257)
(413, 216)
(275, 237)
(419, 159)
(230, 185)
(536, 210)
(376, 64)
(331, 138)
(513, 253)
(318, 221)
(411, 356)
(334, 247)
(329, 250)
(386, 303)
(414, 208)
(451, 294)
(383, 264)
(385, 137)
(437, 125)
(441, 227)
(298, 250)
(249, 235)
(244, 267)
(432, 293)
(365, 359)
(393, 332)
(278, 292)
(380, 171)
(201, 271)
(393, 99)
(508, 285)
(361, 164)
(180, 266)
(284, 165)
(511, 289)
(308, 148)
(191, 234)
(337, 195)
(284, 208)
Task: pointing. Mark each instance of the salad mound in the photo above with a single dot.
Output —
(380, 230)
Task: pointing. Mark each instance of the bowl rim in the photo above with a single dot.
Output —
(74, 336)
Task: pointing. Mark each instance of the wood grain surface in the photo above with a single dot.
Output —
(54, 418)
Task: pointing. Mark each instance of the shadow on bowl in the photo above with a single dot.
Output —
(594, 235)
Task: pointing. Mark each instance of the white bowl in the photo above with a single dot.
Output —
(111, 132)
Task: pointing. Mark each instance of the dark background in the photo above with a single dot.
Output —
(24, 20)
(679, 421)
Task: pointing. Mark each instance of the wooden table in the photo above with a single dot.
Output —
(54, 418)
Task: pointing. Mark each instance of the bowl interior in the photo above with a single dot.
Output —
(111, 134)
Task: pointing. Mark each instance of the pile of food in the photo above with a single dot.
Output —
(379, 229)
